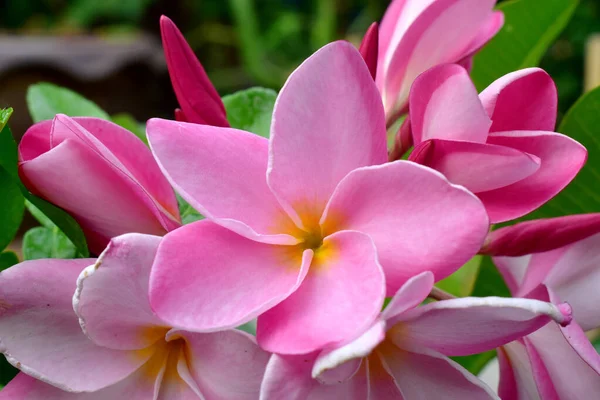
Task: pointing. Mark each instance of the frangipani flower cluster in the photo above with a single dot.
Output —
(308, 232)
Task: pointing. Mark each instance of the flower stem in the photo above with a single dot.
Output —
(439, 294)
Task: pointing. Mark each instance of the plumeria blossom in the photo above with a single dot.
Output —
(404, 353)
(101, 174)
(199, 101)
(416, 35)
(555, 362)
(125, 352)
(500, 145)
(302, 227)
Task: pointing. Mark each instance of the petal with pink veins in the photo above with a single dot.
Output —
(340, 297)
(221, 173)
(562, 158)
(40, 333)
(471, 325)
(524, 100)
(397, 205)
(206, 277)
(112, 295)
(322, 129)
(479, 167)
(444, 105)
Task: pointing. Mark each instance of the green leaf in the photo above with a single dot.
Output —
(581, 196)
(187, 212)
(475, 362)
(249, 327)
(530, 27)
(7, 371)
(8, 151)
(11, 212)
(489, 282)
(5, 114)
(461, 282)
(8, 259)
(251, 110)
(45, 100)
(128, 122)
(42, 242)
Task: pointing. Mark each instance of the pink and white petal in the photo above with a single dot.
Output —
(404, 207)
(369, 48)
(442, 33)
(289, 377)
(562, 158)
(207, 278)
(516, 375)
(387, 29)
(422, 373)
(195, 93)
(338, 300)
(513, 270)
(569, 373)
(471, 325)
(111, 300)
(40, 333)
(487, 31)
(575, 277)
(381, 383)
(226, 365)
(479, 167)
(322, 130)
(444, 105)
(410, 295)
(98, 196)
(341, 363)
(524, 100)
(221, 173)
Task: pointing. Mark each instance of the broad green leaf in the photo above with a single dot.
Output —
(7, 371)
(45, 100)
(530, 27)
(42, 242)
(475, 362)
(489, 282)
(251, 110)
(582, 123)
(462, 281)
(8, 259)
(8, 147)
(128, 122)
(188, 213)
(11, 211)
(5, 114)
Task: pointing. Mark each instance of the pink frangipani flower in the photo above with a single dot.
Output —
(101, 174)
(124, 352)
(554, 362)
(304, 225)
(416, 35)
(200, 103)
(500, 145)
(404, 353)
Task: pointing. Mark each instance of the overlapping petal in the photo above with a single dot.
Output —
(410, 197)
(369, 48)
(339, 298)
(206, 277)
(328, 120)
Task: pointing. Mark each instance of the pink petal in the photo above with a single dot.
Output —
(410, 295)
(111, 300)
(221, 173)
(487, 31)
(322, 129)
(472, 325)
(479, 167)
(561, 159)
(222, 280)
(339, 298)
(524, 100)
(404, 207)
(40, 333)
(369, 47)
(444, 105)
(564, 361)
(197, 96)
(541, 235)
(225, 365)
(35, 141)
(288, 377)
(425, 374)
(442, 33)
(516, 376)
